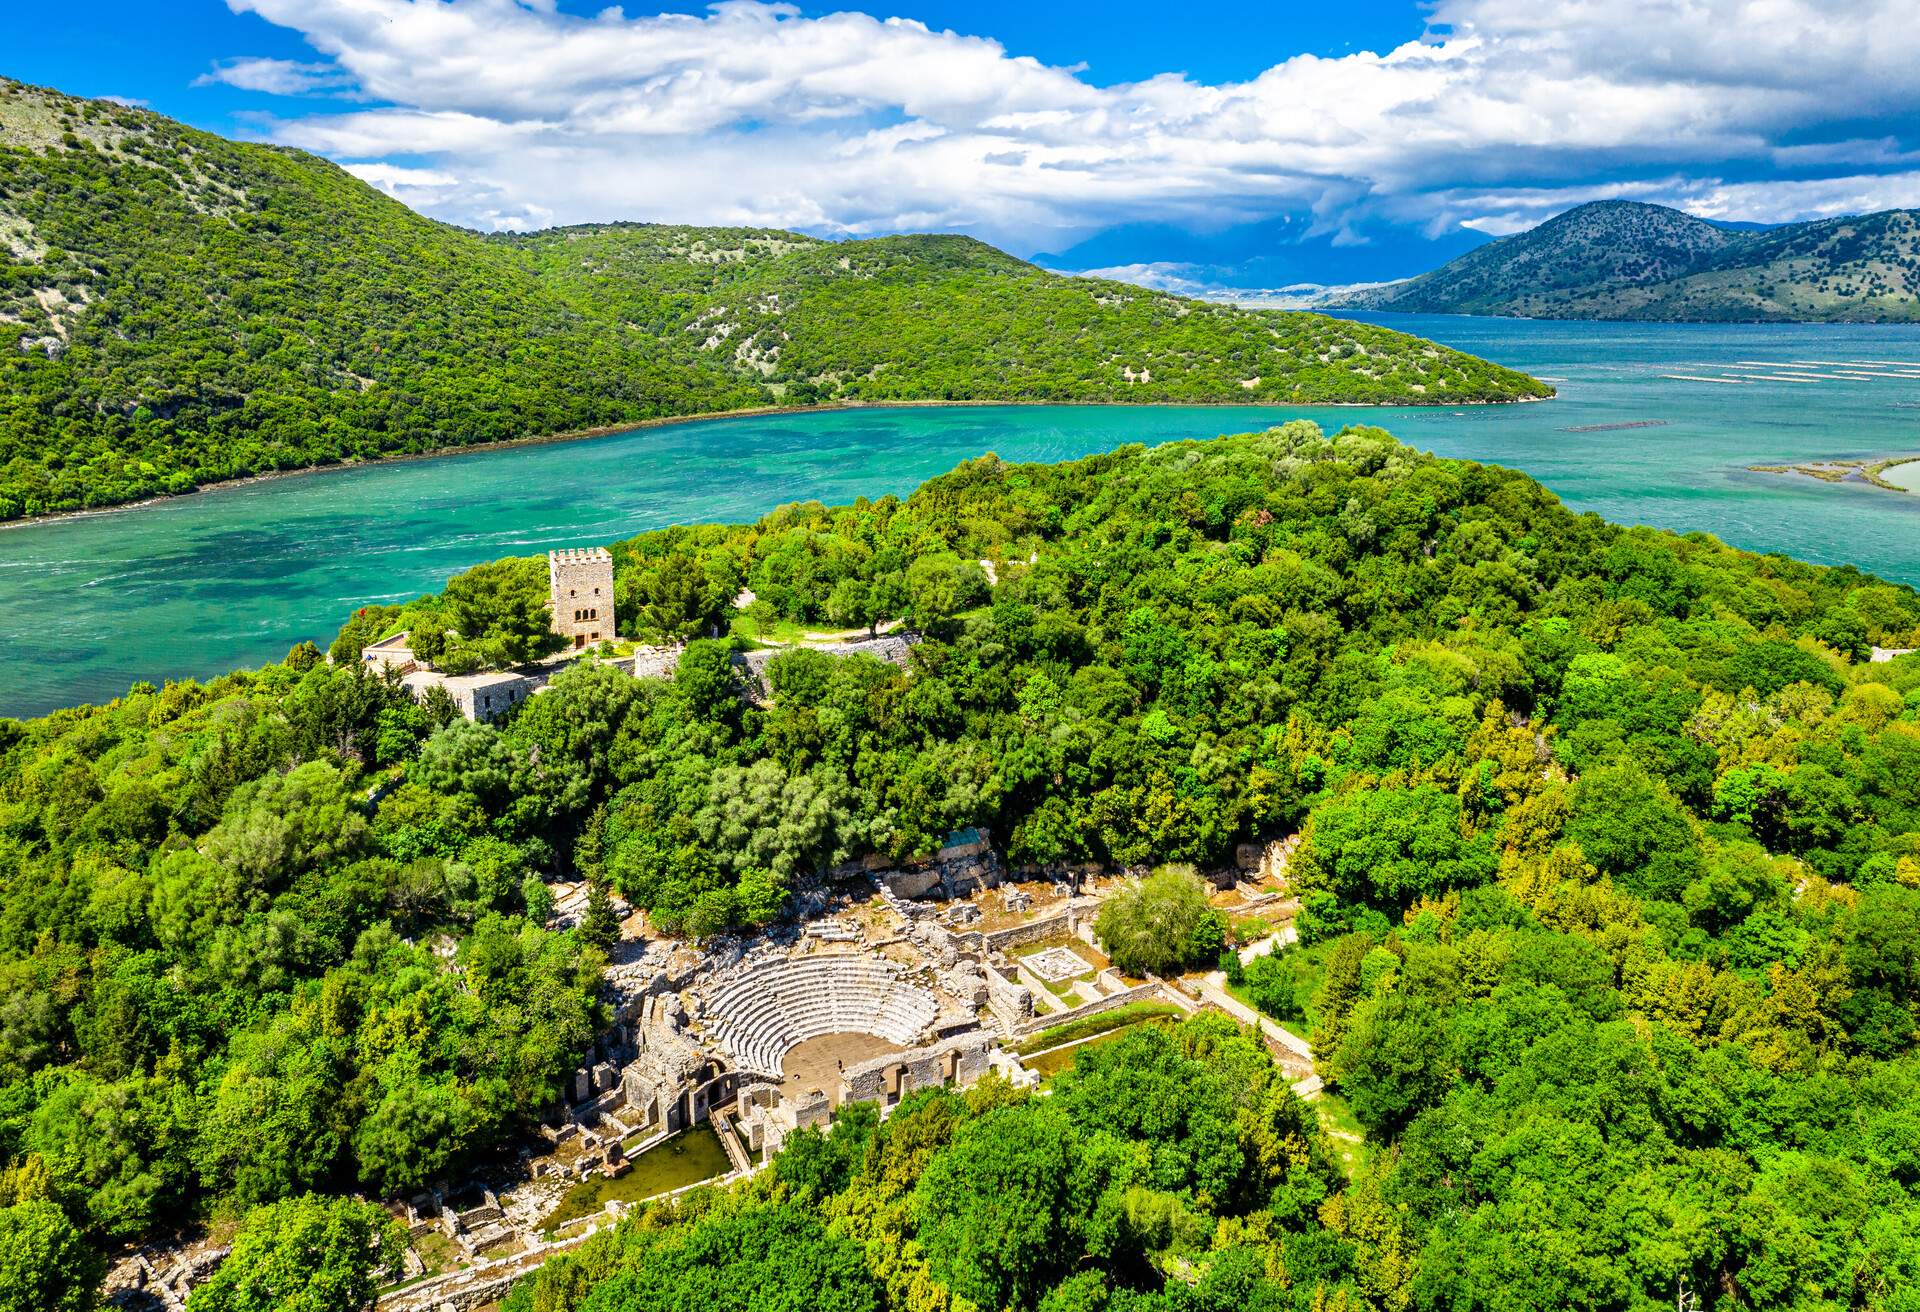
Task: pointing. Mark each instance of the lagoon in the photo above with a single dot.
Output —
(1904, 475)
(197, 585)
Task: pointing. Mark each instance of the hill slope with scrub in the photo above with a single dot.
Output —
(177, 309)
(1628, 260)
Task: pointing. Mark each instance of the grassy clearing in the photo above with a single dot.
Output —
(1051, 1062)
(759, 628)
(1293, 972)
(1242, 930)
(1300, 1029)
(1344, 1133)
(505, 1248)
(1096, 960)
(437, 1252)
(1088, 1026)
(1063, 988)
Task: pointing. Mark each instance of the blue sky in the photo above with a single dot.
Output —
(1251, 144)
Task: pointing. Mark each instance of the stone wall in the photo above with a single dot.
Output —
(912, 883)
(1008, 1000)
(1259, 861)
(1066, 923)
(1149, 992)
(956, 870)
(1054, 926)
(480, 1293)
(961, 1060)
(893, 648)
(652, 662)
(811, 1109)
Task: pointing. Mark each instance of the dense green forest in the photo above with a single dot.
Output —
(1619, 259)
(182, 309)
(1611, 874)
(177, 309)
(229, 979)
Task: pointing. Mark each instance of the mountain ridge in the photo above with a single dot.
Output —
(1631, 260)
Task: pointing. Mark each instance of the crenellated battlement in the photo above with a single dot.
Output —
(580, 594)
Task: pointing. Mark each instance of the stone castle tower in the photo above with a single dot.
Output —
(580, 593)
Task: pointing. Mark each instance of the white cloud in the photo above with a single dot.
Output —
(756, 114)
(479, 202)
(1499, 213)
(1160, 276)
(130, 102)
(277, 77)
(388, 177)
(1774, 202)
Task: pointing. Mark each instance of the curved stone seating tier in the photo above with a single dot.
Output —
(768, 1007)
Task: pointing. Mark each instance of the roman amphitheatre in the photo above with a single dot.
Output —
(878, 983)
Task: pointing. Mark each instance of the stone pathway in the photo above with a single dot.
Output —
(1264, 947)
(1213, 989)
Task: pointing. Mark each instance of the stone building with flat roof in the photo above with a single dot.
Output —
(580, 594)
(486, 696)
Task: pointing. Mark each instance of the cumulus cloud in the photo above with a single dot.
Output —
(1158, 275)
(754, 113)
(1764, 202)
(277, 77)
(487, 205)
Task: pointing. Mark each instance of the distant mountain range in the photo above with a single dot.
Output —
(1627, 260)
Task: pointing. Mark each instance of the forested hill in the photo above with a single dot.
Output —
(177, 309)
(950, 318)
(1627, 260)
(1610, 870)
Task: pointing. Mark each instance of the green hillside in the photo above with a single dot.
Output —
(182, 309)
(177, 309)
(1610, 875)
(1626, 260)
(950, 318)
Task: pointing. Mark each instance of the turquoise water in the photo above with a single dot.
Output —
(235, 576)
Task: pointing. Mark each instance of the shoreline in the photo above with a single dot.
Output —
(1335, 311)
(709, 416)
(1870, 471)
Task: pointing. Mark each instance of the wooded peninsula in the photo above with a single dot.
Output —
(1608, 868)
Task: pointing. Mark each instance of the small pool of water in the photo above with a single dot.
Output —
(687, 1158)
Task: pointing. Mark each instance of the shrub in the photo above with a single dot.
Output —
(1161, 924)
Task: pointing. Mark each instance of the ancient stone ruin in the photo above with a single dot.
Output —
(580, 595)
(865, 996)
